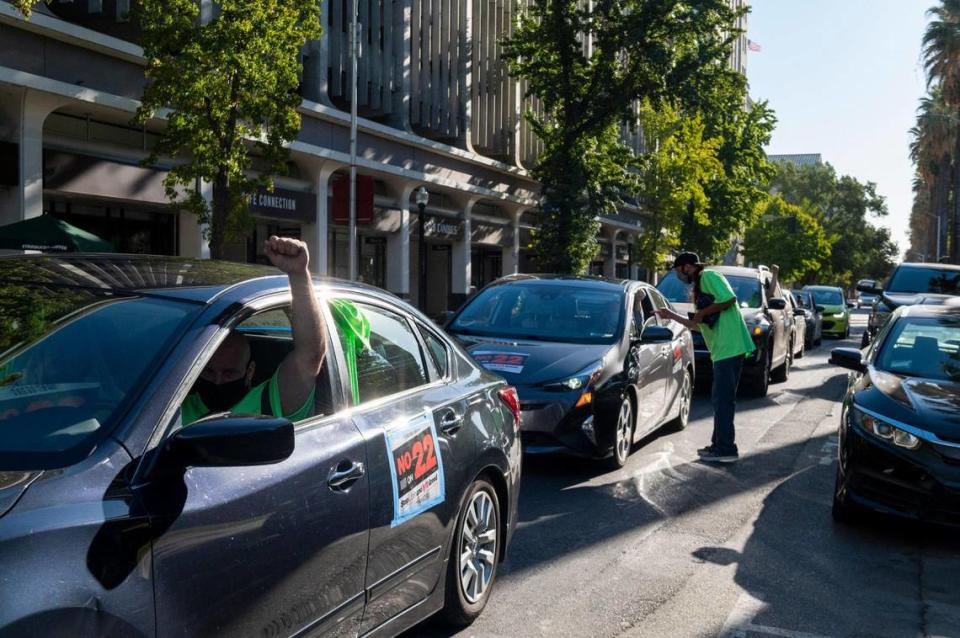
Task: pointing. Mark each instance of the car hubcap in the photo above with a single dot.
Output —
(478, 547)
(623, 431)
(685, 396)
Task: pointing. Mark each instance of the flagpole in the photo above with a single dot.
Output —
(354, 56)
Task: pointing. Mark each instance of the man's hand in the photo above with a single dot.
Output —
(288, 254)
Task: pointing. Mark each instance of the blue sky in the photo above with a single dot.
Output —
(844, 77)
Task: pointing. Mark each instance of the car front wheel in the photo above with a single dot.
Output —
(623, 434)
(782, 373)
(473, 559)
(685, 398)
(843, 511)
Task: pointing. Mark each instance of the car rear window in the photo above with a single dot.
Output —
(71, 362)
(932, 280)
(828, 297)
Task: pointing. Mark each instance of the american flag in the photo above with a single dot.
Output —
(754, 46)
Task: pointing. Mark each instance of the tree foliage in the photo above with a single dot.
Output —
(843, 206)
(588, 65)
(26, 6)
(671, 179)
(790, 236)
(231, 89)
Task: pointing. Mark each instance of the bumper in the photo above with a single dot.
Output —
(922, 484)
(549, 425)
(835, 327)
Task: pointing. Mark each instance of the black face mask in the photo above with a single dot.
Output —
(685, 278)
(220, 398)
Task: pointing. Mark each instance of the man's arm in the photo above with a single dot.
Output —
(666, 313)
(298, 372)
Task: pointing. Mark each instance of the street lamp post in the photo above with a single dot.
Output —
(422, 197)
(354, 58)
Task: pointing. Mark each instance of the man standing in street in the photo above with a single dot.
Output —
(719, 321)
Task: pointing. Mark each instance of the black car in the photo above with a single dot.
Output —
(116, 520)
(813, 316)
(764, 310)
(595, 368)
(910, 284)
(900, 426)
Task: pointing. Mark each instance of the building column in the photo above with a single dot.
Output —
(398, 246)
(316, 235)
(610, 263)
(511, 254)
(194, 236)
(462, 255)
(24, 113)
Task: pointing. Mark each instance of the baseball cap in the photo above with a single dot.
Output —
(686, 259)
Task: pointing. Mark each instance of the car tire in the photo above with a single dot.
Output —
(782, 373)
(803, 349)
(685, 397)
(758, 383)
(865, 340)
(623, 434)
(464, 601)
(846, 333)
(843, 511)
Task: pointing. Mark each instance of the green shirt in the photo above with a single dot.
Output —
(729, 336)
(193, 407)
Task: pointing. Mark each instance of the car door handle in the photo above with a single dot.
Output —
(450, 422)
(341, 479)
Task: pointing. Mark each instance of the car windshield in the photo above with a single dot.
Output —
(923, 347)
(933, 280)
(827, 296)
(544, 311)
(673, 289)
(71, 361)
(803, 300)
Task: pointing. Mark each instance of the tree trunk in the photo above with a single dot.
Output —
(218, 216)
(940, 201)
(955, 222)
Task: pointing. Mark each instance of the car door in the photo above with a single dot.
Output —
(412, 425)
(778, 320)
(647, 363)
(271, 550)
(675, 368)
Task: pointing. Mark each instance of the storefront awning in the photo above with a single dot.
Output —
(49, 234)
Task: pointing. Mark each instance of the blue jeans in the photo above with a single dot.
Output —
(726, 376)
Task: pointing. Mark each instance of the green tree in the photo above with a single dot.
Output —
(230, 88)
(744, 128)
(588, 64)
(671, 179)
(941, 55)
(843, 206)
(26, 6)
(790, 236)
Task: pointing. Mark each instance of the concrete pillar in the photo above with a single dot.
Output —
(316, 235)
(21, 117)
(398, 246)
(462, 262)
(194, 237)
(610, 262)
(511, 254)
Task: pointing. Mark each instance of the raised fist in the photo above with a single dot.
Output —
(288, 254)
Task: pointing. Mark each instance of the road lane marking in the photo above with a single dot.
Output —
(740, 621)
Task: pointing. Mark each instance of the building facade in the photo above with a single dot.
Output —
(436, 107)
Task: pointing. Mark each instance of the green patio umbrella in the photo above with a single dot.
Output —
(48, 234)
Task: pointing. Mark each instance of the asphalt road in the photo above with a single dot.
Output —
(670, 546)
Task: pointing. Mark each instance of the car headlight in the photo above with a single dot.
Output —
(839, 315)
(583, 379)
(758, 326)
(883, 430)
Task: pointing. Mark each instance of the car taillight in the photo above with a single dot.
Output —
(509, 396)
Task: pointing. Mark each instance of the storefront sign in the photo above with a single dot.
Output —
(284, 204)
(443, 227)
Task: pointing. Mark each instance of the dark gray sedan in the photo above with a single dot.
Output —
(393, 499)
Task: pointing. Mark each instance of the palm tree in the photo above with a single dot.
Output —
(941, 56)
(931, 147)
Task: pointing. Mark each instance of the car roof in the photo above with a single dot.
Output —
(738, 271)
(566, 280)
(934, 266)
(198, 280)
(949, 307)
(822, 287)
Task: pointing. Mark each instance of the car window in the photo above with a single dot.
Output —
(747, 290)
(545, 311)
(828, 296)
(382, 351)
(673, 289)
(923, 347)
(437, 349)
(71, 364)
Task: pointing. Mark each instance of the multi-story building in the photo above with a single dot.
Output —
(436, 107)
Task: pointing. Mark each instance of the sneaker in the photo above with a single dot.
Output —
(705, 450)
(715, 457)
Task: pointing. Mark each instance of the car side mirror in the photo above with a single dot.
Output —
(229, 440)
(820, 308)
(656, 334)
(799, 312)
(870, 290)
(849, 358)
(851, 306)
(777, 303)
